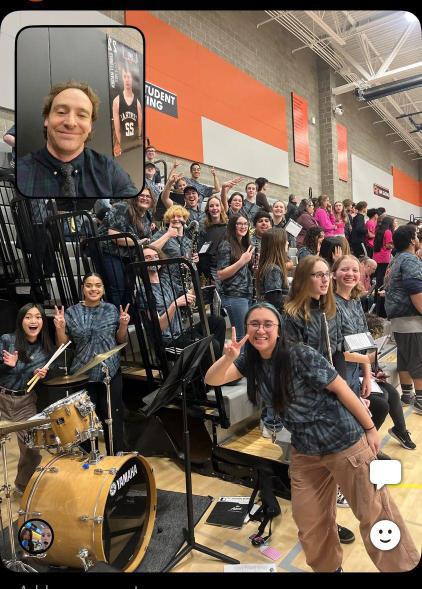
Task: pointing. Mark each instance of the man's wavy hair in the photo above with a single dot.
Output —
(86, 89)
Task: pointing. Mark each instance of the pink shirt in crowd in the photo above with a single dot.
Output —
(340, 225)
(323, 220)
(370, 225)
(365, 279)
(384, 255)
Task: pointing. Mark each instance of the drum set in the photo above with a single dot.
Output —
(101, 508)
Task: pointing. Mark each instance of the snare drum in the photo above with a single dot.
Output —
(106, 511)
(72, 418)
(42, 437)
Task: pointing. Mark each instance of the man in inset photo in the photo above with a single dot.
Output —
(127, 115)
(65, 167)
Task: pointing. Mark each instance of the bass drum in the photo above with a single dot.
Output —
(105, 511)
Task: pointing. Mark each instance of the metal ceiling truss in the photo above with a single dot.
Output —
(372, 68)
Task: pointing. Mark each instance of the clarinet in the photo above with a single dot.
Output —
(254, 272)
(327, 338)
(187, 312)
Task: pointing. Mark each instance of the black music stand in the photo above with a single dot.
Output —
(180, 375)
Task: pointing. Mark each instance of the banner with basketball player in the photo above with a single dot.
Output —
(126, 80)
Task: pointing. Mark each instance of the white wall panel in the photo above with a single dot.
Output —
(231, 150)
(364, 176)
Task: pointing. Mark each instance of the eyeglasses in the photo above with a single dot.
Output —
(267, 325)
(321, 275)
(242, 224)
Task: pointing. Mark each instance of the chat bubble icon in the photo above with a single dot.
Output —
(385, 472)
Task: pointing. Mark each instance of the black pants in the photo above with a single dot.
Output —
(379, 275)
(98, 394)
(357, 249)
(387, 403)
(116, 285)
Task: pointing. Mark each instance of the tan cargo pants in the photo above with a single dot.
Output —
(314, 481)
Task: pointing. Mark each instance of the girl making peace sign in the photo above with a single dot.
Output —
(95, 327)
(333, 440)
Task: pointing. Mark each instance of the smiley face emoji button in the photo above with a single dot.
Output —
(385, 535)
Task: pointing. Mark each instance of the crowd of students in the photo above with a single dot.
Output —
(288, 339)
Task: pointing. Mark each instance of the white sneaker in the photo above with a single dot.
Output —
(266, 433)
(341, 499)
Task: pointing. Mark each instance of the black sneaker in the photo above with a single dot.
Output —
(346, 536)
(383, 456)
(417, 407)
(406, 398)
(402, 438)
(339, 570)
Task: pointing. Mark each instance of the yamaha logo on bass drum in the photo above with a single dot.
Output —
(123, 479)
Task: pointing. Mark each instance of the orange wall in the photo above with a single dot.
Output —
(205, 85)
(406, 187)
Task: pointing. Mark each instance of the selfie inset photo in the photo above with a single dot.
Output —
(79, 121)
(36, 536)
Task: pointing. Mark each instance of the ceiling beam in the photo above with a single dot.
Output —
(401, 70)
(386, 64)
(321, 23)
(267, 21)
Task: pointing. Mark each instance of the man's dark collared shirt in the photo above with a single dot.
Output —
(96, 176)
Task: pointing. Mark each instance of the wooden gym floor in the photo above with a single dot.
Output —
(235, 543)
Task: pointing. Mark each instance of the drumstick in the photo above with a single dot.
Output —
(53, 357)
(56, 355)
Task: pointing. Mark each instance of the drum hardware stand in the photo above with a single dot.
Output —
(65, 369)
(83, 555)
(94, 455)
(180, 376)
(14, 564)
(108, 421)
(1, 524)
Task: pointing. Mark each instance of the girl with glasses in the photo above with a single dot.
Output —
(332, 435)
(311, 294)
(234, 270)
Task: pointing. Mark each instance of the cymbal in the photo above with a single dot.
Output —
(7, 427)
(99, 358)
(69, 379)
